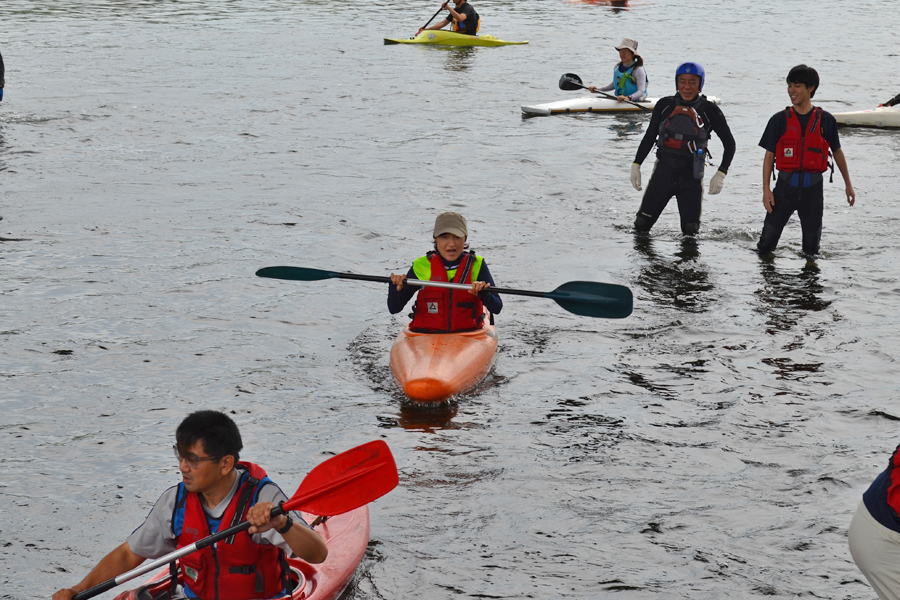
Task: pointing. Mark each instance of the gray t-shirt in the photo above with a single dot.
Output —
(154, 538)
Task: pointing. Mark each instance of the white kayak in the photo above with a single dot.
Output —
(885, 116)
(593, 104)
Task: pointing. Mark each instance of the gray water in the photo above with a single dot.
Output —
(154, 154)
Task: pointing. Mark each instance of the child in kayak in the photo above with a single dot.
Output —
(629, 77)
(441, 310)
(465, 20)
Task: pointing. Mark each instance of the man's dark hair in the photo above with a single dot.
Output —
(220, 435)
(805, 75)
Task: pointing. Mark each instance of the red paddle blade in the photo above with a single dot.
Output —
(347, 481)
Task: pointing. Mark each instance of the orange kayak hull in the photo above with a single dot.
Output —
(346, 536)
(432, 367)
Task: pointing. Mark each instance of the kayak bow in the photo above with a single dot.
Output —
(883, 116)
(432, 367)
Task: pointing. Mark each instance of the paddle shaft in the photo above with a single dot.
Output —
(433, 16)
(164, 560)
(441, 284)
(611, 97)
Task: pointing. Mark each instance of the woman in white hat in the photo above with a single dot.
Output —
(442, 310)
(629, 77)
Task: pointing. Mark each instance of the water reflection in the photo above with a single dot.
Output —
(615, 6)
(627, 126)
(459, 58)
(428, 418)
(787, 296)
(682, 283)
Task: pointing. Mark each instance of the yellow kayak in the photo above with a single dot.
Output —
(439, 37)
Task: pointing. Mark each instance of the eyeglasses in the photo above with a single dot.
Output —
(191, 460)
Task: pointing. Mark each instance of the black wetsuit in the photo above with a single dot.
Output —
(674, 171)
(2, 74)
(801, 192)
(893, 101)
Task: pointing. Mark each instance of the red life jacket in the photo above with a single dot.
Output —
(235, 568)
(682, 131)
(799, 150)
(441, 310)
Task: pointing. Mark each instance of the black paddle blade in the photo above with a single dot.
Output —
(592, 299)
(296, 273)
(570, 81)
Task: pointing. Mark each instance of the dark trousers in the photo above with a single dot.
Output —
(809, 204)
(672, 177)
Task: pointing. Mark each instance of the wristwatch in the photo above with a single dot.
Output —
(287, 526)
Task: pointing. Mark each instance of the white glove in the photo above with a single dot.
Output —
(636, 176)
(716, 183)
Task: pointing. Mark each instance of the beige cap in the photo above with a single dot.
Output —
(451, 222)
(628, 43)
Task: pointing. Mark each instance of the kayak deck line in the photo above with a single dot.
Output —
(437, 37)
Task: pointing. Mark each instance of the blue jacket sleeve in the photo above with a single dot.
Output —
(397, 300)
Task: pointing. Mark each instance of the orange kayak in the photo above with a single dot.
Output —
(346, 536)
(431, 367)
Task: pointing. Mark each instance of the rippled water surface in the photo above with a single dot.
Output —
(154, 154)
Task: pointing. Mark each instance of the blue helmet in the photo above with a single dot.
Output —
(691, 68)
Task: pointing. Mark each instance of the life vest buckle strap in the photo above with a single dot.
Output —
(249, 570)
(249, 487)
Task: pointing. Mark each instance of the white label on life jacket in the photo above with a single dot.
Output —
(789, 153)
(433, 308)
(191, 573)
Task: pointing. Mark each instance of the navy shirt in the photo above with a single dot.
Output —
(397, 300)
(778, 125)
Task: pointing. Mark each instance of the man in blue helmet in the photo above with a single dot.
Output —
(680, 127)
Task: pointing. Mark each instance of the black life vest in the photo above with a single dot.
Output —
(683, 132)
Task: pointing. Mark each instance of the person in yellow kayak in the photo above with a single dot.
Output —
(629, 77)
(464, 19)
(441, 310)
(215, 493)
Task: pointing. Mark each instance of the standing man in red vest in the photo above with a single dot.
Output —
(216, 492)
(797, 142)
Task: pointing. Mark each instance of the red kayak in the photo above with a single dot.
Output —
(346, 536)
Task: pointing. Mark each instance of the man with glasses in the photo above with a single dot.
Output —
(216, 492)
